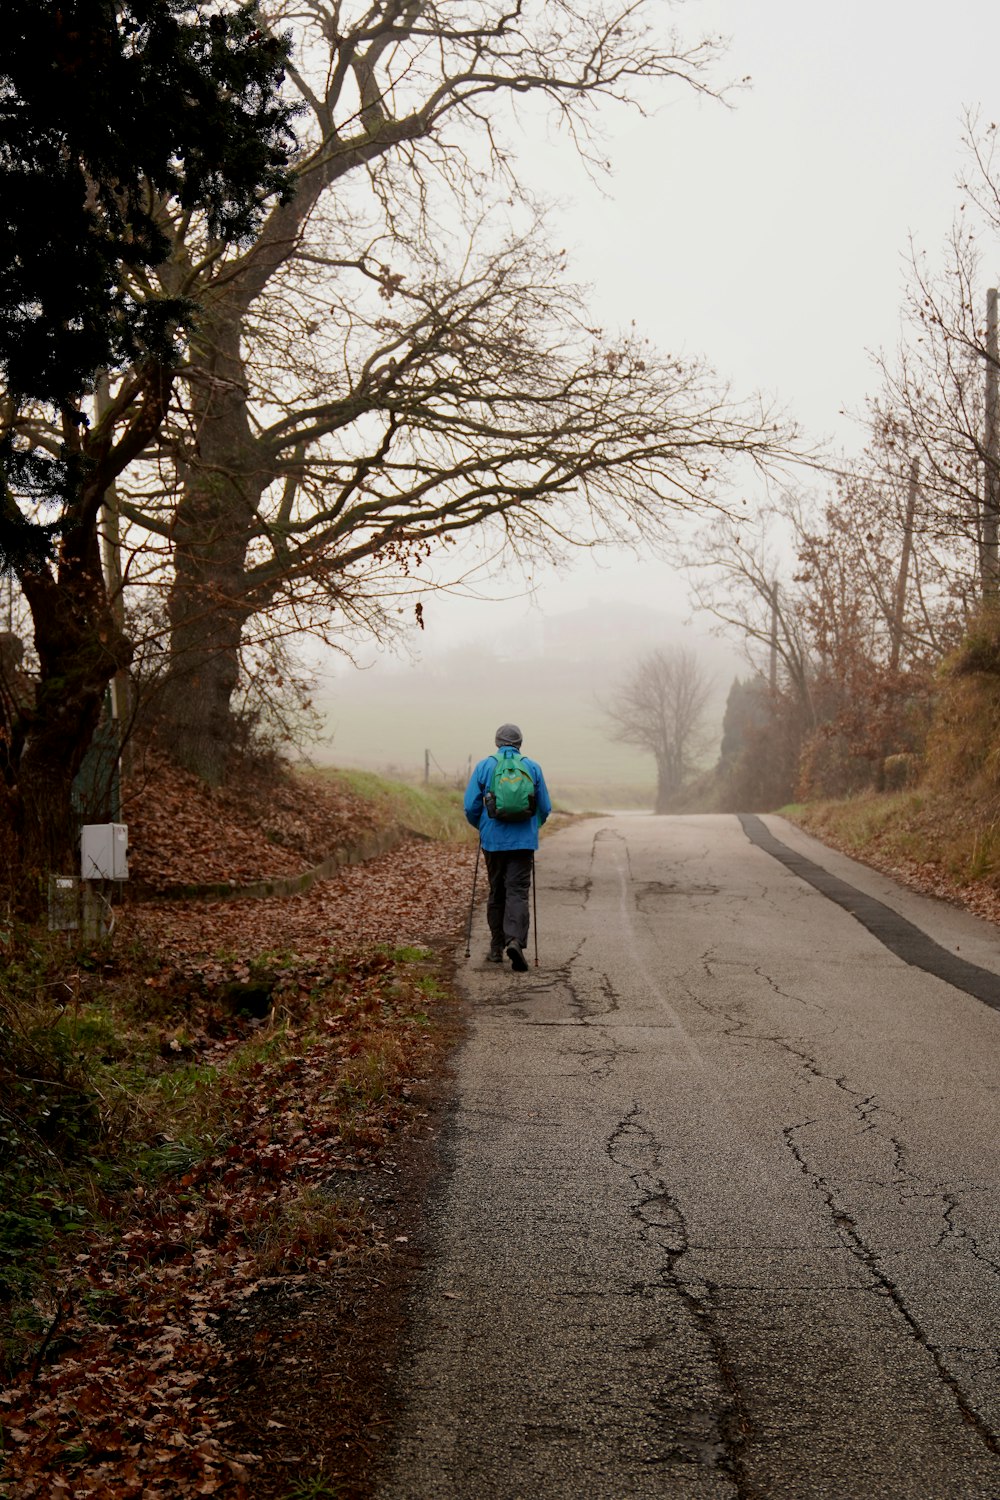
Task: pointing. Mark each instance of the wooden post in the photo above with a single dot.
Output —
(93, 914)
(427, 767)
(899, 600)
(989, 565)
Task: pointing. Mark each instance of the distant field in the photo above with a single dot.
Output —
(386, 718)
(389, 732)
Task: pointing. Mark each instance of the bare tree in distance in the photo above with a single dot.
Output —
(829, 590)
(842, 636)
(873, 582)
(745, 580)
(930, 406)
(660, 707)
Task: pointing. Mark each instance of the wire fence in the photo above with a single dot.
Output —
(457, 778)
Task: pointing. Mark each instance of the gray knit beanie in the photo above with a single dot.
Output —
(508, 734)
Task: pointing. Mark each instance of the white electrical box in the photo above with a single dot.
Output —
(104, 851)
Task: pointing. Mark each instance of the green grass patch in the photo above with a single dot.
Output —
(434, 811)
(318, 1487)
(289, 1234)
(407, 955)
(606, 796)
(860, 821)
(886, 820)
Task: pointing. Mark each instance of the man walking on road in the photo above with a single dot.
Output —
(508, 801)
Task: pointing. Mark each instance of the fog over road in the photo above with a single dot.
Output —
(722, 1216)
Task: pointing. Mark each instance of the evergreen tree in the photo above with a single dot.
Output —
(112, 114)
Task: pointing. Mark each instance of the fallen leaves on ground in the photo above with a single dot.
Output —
(414, 894)
(125, 1399)
(264, 823)
(128, 1404)
(931, 880)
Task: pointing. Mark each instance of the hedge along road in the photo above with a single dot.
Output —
(722, 1216)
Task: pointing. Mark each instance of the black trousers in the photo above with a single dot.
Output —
(509, 872)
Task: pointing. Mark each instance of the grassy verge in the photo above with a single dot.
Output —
(433, 811)
(160, 1154)
(606, 797)
(957, 836)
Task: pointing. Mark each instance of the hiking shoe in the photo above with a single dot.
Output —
(495, 956)
(516, 955)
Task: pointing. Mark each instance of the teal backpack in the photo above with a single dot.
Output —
(511, 797)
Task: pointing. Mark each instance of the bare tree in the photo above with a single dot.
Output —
(843, 640)
(661, 707)
(365, 384)
(933, 406)
(876, 580)
(741, 574)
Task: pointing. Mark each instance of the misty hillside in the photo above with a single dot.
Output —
(550, 675)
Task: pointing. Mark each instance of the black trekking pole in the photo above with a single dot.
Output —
(472, 903)
(534, 903)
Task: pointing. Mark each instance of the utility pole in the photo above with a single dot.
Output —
(989, 564)
(899, 600)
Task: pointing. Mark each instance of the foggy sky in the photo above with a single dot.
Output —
(770, 236)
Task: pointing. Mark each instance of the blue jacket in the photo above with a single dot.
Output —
(493, 835)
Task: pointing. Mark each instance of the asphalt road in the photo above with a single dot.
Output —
(722, 1216)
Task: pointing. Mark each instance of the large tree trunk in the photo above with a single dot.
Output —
(80, 648)
(221, 487)
(197, 716)
(208, 606)
(665, 786)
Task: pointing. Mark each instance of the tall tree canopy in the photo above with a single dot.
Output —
(108, 110)
(113, 115)
(397, 359)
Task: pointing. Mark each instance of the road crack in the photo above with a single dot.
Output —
(715, 1438)
(853, 1240)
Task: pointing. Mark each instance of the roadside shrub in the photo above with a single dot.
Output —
(831, 766)
(901, 771)
(882, 732)
(979, 653)
(963, 747)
